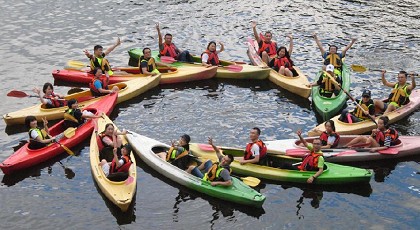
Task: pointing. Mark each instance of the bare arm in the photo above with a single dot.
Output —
(316, 175)
(413, 82)
(159, 35)
(222, 47)
(319, 44)
(353, 40)
(88, 55)
(384, 81)
(222, 183)
(110, 49)
(254, 29)
(299, 133)
(217, 150)
(38, 91)
(291, 44)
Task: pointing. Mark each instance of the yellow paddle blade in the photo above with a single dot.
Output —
(358, 68)
(66, 149)
(251, 181)
(70, 132)
(72, 64)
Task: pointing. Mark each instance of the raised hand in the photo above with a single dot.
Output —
(254, 24)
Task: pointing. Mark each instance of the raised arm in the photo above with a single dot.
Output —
(111, 48)
(290, 44)
(254, 29)
(88, 55)
(353, 40)
(217, 150)
(222, 47)
(319, 44)
(384, 81)
(159, 34)
(413, 82)
(38, 91)
(299, 133)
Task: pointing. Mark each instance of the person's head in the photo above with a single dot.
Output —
(226, 160)
(168, 39)
(333, 49)
(97, 50)
(329, 126)
(147, 53)
(383, 122)
(72, 103)
(282, 52)
(317, 143)
(126, 150)
(366, 95)
(330, 69)
(211, 46)
(31, 122)
(402, 77)
(109, 129)
(97, 72)
(267, 36)
(47, 88)
(184, 140)
(254, 134)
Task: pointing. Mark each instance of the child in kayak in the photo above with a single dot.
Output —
(50, 99)
(178, 154)
(118, 164)
(38, 138)
(73, 116)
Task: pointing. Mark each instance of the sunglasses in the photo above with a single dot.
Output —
(366, 96)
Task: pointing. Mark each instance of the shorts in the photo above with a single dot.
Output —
(196, 172)
(390, 103)
(105, 168)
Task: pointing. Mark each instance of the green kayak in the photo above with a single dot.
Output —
(328, 107)
(238, 193)
(333, 173)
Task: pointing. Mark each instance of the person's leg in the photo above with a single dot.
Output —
(281, 70)
(379, 104)
(343, 116)
(162, 155)
(357, 140)
(288, 73)
(391, 107)
(265, 57)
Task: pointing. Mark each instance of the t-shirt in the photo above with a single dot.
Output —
(320, 158)
(97, 84)
(205, 58)
(34, 134)
(224, 174)
(255, 150)
(106, 167)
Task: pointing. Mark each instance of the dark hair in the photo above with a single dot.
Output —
(331, 123)
(168, 34)
(106, 126)
(96, 70)
(212, 42)
(71, 102)
(46, 85)
(97, 47)
(258, 130)
(127, 146)
(403, 72)
(286, 53)
(28, 120)
(268, 32)
(385, 119)
(142, 56)
(332, 46)
(230, 157)
(186, 137)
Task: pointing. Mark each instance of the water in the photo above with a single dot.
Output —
(39, 36)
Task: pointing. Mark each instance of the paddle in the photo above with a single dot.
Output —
(361, 69)
(67, 171)
(233, 68)
(78, 65)
(70, 132)
(250, 181)
(20, 94)
(68, 151)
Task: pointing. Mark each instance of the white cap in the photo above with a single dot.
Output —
(330, 68)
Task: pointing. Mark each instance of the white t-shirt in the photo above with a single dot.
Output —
(331, 140)
(107, 166)
(255, 150)
(205, 58)
(34, 134)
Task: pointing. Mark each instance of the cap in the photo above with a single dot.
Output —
(186, 137)
(127, 147)
(366, 92)
(330, 68)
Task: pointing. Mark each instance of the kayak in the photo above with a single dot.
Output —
(25, 157)
(247, 72)
(328, 107)
(127, 91)
(118, 192)
(333, 173)
(187, 73)
(366, 126)
(296, 85)
(408, 146)
(237, 193)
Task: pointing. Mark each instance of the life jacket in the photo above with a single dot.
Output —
(102, 135)
(171, 156)
(39, 131)
(55, 103)
(123, 168)
(102, 63)
(270, 48)
(213, 57)
(380, 138)
(169, 50)
(324, 138)
(359, 113)
(263, 150)
(284, 61)
(94, 90)
(214, 172)
(333, 59)
(399, 95)
(393, 133)
(69, 116)
(151, 64)
(310, 163)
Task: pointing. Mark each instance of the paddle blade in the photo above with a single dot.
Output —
(16, 93)
(68, 151)
(296, 152)
(167, 59)
(75, 65)
(389, 151)
(358, 68)
(251, 181)
(70, 132)
(234, 68)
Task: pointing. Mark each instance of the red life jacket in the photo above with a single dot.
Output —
(102, 135)
(393, 134)
(263, 150)
(310, 163)
(169, 50)
(324, 138)
(55, 103)
(94, 90)
(213, 57)
(284, 61)
(124, 168)
(270, 48)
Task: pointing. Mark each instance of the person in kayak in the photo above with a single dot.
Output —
(168, 48)
(178, 154)
(98, 60)
(50, 99)
(147, 63)
(282, 63)
(381, 138)
(107, 138)
(255, 151)
(267, 47)
(73, 116)
(329, 83)
(314, 161)
(217, 173)
(400, 94)
(358, 114)
(38, 138)
(210, 57)
(329, 138)
(118, 164)
(332, 57)
(99, 87)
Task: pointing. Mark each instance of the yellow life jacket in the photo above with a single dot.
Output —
(399, 95)
(359, 113)
(333, 59)
(214, 172)
(102, 63)
(40, 132)
(151, 65)
(327, 83)
(171, 156)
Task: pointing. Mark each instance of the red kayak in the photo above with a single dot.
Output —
(25, 157)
